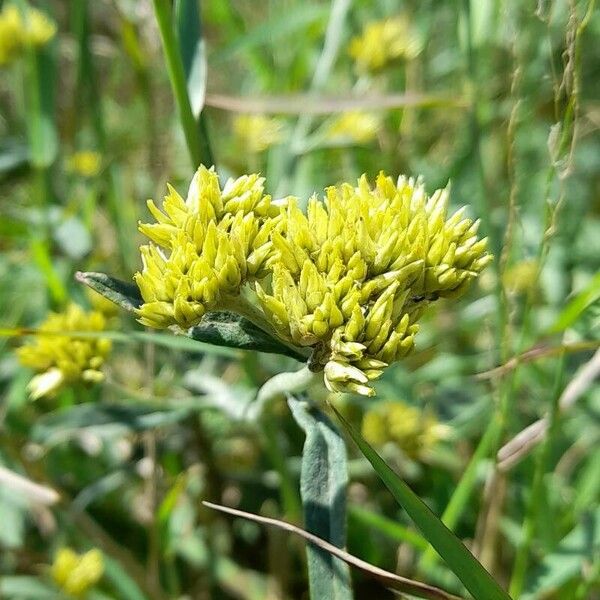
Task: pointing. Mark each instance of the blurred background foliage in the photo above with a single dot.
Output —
(498, 97)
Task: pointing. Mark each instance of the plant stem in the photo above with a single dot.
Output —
(162, 10)
(283, 383)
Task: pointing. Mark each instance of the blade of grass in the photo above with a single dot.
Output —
(121, 211)
(468, 480)
(38, 83)
(462, 563)
(387, 527)
(175, 68)
(390, 580)
(324, 105)
(193, 53)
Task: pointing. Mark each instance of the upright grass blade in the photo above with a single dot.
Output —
(193, 54)
(43, 147)
(90, 99)
(177, 76)
(467, 483)
(462, 563)
(323, 481)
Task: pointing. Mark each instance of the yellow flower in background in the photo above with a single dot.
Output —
(38, 27)
(522, 277)
(412, 430)
(19, 29)
(204, 248)
(256, 133)
(354, 126)
(382, 42)
(11, 34)
(352, 277)
(76, 573)
(85, 163)
(62, 359)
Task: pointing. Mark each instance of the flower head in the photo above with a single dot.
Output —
(18, 29)
(62, 359)
(256, 133)
(76, 573)
(355, 126)
(382, 42)
(352, 276)
(348, 279)
(85, 163)
(204, 248)
(413, 431)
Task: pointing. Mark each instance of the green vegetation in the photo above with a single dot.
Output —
(138, 464)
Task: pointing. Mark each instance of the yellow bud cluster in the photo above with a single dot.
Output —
(256, 133)
(76, 573)
(62, 359)
(352, 276)
(204, 248)
(382, 42)
(21, 29)
(412, 430)
(349, 279)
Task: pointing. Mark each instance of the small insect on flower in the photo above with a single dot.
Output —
(62, 359)
(256, 133)
(74, 573)
(351, 278)
(383, 42)
(204, 248)
(85, 163)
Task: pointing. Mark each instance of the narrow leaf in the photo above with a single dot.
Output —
(323, 482)
(462, 563)
(573, 310)
(390, 580)
(126, 295)
(193, 51)
(221, 328)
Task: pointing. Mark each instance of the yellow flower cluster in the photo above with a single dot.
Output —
(76, 573)
(354, 126)
(412, 430)
(21, 29)
(62, 359)
(256, 133)
(352, 277)
(204, 248)
(349, 279)
(85, 163)
(382, 42)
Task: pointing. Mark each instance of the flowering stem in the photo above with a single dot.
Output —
(283, 383)
(162, 10)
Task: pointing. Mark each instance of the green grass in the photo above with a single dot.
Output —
(500, 101)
